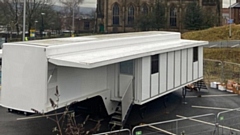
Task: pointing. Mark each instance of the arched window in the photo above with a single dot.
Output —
(173, 16)
(116, 14)
(130, 15)
(144, 9)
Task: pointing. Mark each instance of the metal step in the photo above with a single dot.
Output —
(117, 117)
(118, 112)
(116, 123)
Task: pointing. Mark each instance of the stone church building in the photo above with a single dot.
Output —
(120, 15)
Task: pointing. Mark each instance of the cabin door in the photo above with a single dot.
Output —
(126, 75)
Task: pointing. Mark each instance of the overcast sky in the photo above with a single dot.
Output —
(92, 3)
(89, 3)
(226, 3)
(86, 3)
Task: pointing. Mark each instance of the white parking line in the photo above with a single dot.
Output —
(196, 120)
(223, 95)
(212, 124)
(162, 130)
(212, 46)
(213, 108)
(235, 45)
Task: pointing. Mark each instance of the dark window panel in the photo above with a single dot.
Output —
(154, 64)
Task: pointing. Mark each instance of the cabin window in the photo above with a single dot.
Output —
(154, 64)
(131, 15)
(173, 16)
(126, 67)
(115, 14)
(195, 54)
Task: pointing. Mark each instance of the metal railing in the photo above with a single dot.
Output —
(228, 122)
(183, 125)
(224, 44)
(116, 132)
(225, 122)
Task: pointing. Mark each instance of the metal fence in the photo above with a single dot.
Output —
(231, 71)
(213, 70)
(224, 123)
(116, 132)
(228, 122)
(227, 43)
(221, 71)
(183, 125)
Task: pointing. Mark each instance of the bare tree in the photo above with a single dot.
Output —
(71, 10)
(12, 10)
(34, 9)
(11, 13)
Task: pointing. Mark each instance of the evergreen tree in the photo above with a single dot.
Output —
(193, 17)
(144, 22)
(159, 18)
(209, 19)
(152, 20)
(219, 3)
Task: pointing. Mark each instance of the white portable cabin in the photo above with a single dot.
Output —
(130, 68)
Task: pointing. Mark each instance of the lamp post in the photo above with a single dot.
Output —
(36, 25)
(35, 33)
(230, 20)
(52, 28)
(42, 27)
(24, 20)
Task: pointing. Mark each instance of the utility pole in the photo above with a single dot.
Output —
(73, 27)
(24, 20)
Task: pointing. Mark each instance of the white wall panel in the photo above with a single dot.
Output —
(138, 80)
(154, 84)
(111, 73)
(184, 66)
(163, 72)
(24, 78)
(195, 70)
(200, 59)
(146, 69)
(170, 71)
(190, 64)
(80, 83)
(177, 68)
